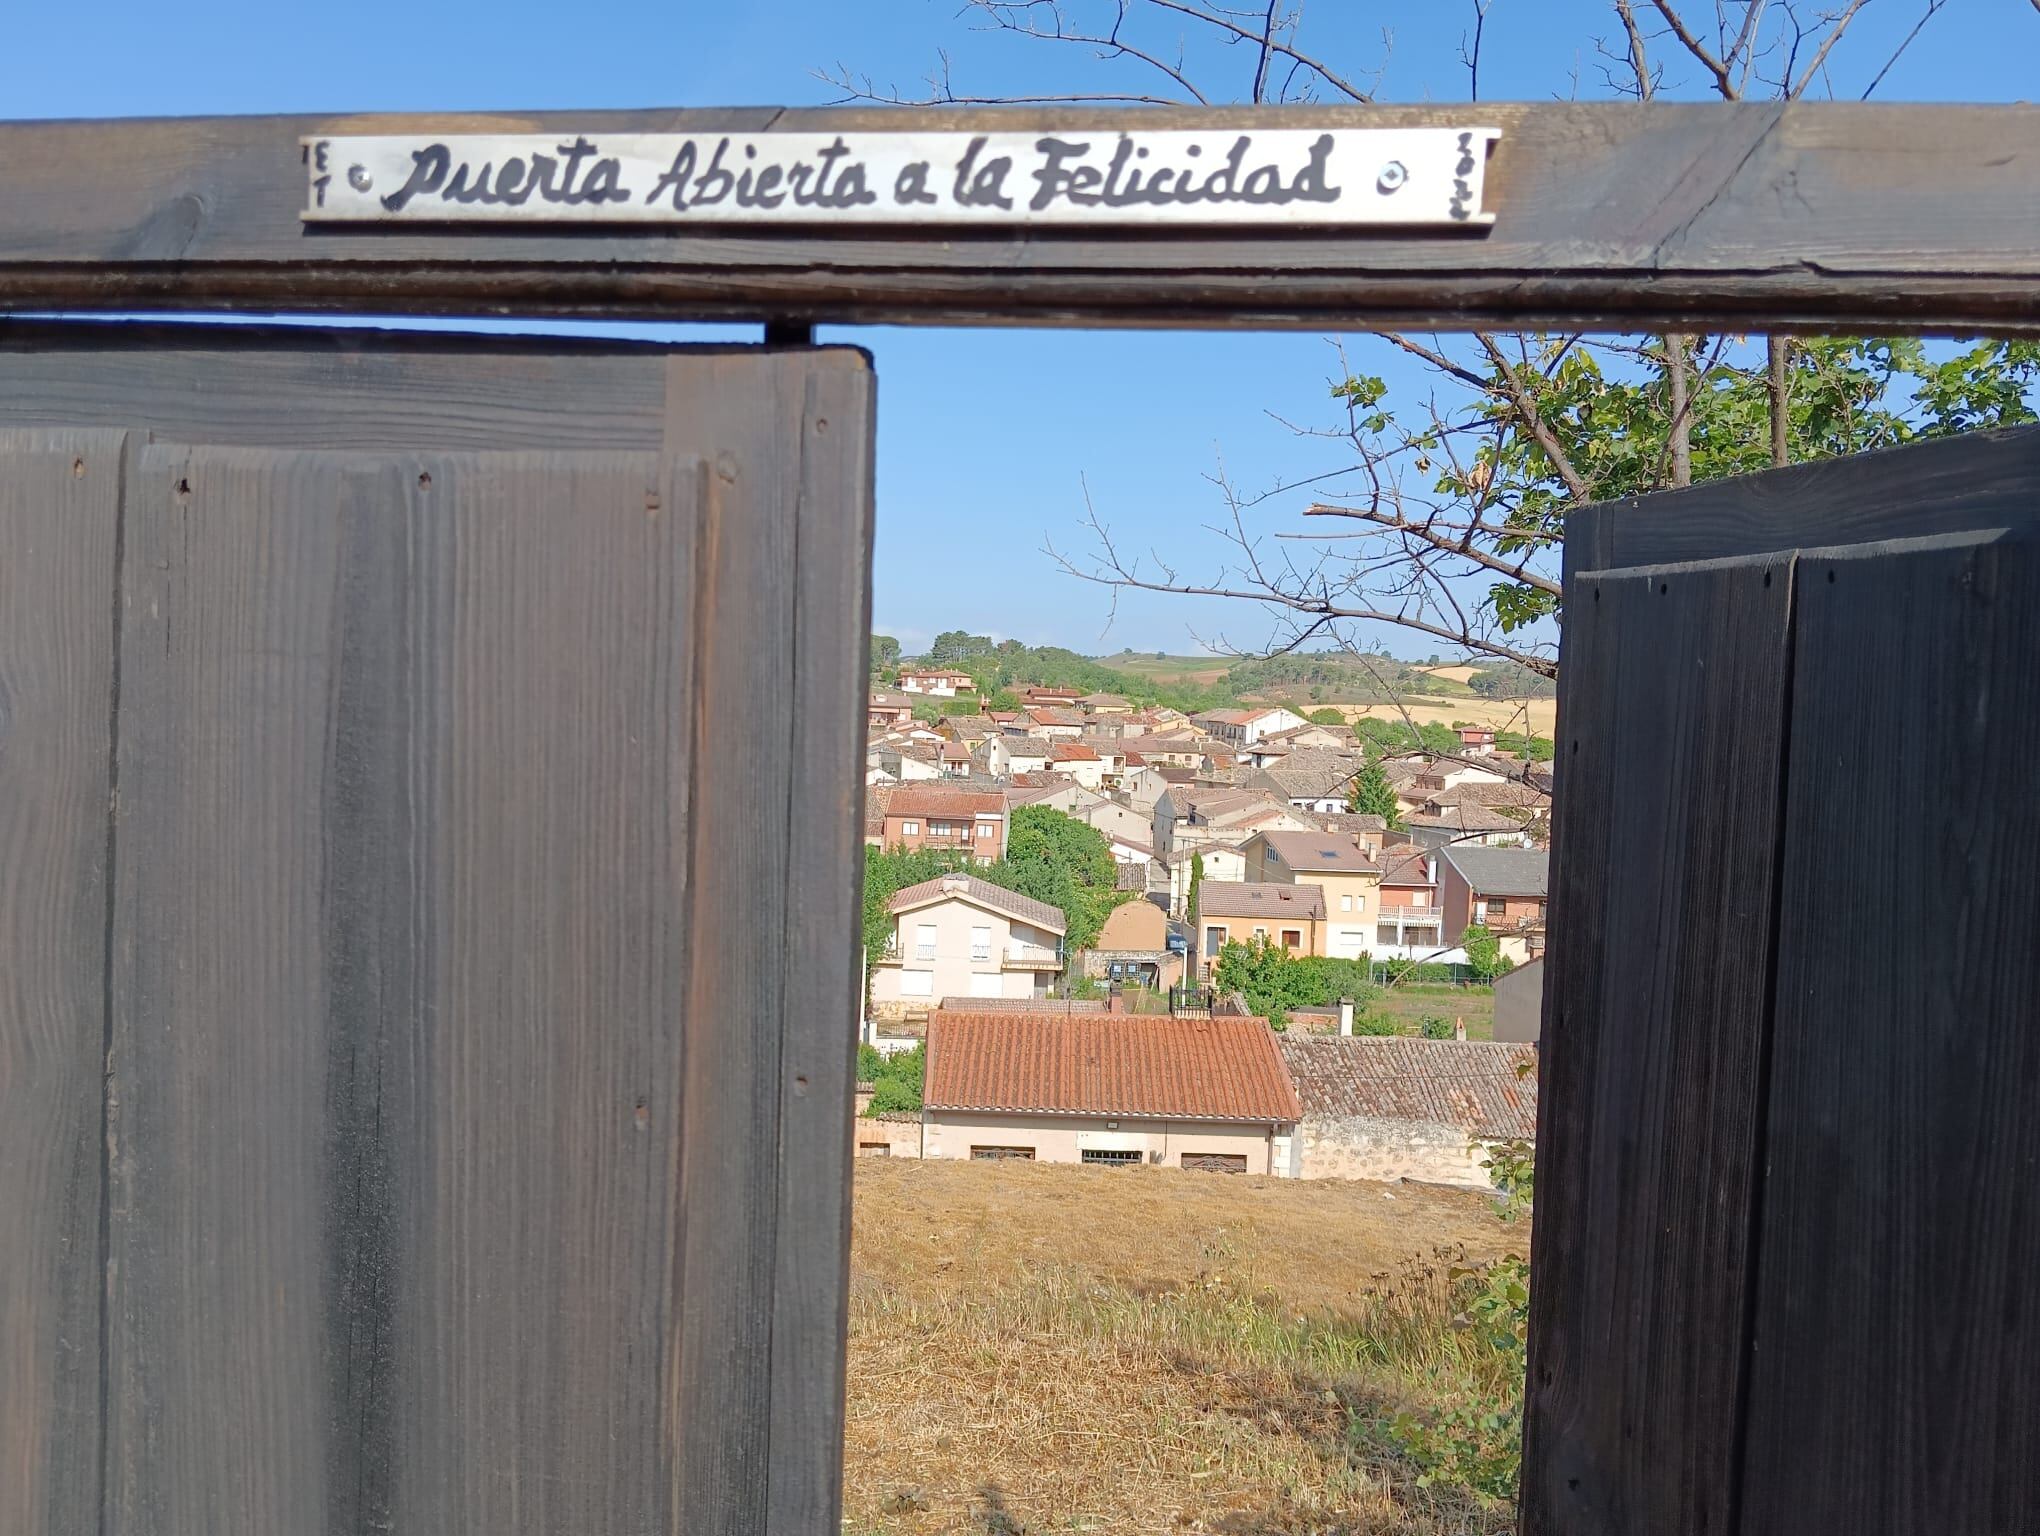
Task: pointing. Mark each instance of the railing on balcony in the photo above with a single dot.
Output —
(1033, 957)
(1411, 915)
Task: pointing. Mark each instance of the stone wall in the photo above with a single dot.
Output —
(1363, 1147)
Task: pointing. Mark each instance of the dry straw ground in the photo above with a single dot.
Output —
(1041, 1349)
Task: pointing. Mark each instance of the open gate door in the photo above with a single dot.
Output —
(424, 1100)
(1788, 1218)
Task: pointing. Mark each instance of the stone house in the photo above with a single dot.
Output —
(1388, 1107)
(1134, 946)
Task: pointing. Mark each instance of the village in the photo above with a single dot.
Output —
(1275, 879)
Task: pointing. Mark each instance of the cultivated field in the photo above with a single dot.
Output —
(1542, 714)
(1037, 1348)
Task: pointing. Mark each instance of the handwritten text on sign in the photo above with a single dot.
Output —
(1355, 176)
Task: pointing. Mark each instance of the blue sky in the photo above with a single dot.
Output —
(987, 436)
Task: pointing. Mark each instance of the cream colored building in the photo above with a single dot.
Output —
(1112, 1090)
(1345, 871)
(960, 936)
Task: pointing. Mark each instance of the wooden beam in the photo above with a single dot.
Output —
(1820, 217)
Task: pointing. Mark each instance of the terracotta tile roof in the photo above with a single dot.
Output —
(1322, 852)
(1312, 773)
(876, 798)
(1251, 898)
(970, 887)
(1093, 1064)
(1406, 866)
(1466, 818)
(1488, 793)
(1482, 1087)
(941, 800)
(1048, 714)
(1071, 752)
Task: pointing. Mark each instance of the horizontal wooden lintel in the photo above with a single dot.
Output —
(1746, 217)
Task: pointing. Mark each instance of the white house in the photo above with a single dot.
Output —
(960, 936)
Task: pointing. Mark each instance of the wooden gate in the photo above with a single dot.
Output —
(1788, 1219)
(424, 1098)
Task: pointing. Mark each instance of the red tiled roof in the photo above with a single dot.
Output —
(1483, 1087)
(1072, 752)
(938, 800)
(1093, 1064)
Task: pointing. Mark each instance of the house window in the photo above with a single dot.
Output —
(1384, 933)
(874, 1149)
(917, 983)
(985, 830)
(1346, 903)
(1216, 1162)
(980, 942)
(1113, 1157)
(1214, 940)
(1292, 938)
(1261, 934)
(1001, 1154)
(1497, 909)
(924, 941)
(910, 829)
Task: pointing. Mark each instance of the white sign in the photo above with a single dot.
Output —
(1340, 177)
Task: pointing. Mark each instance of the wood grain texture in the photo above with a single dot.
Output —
(59, 517)
(824, 888)
(389, 391)
(770, 1033)
(400, 995)
(1982, 480)
(1896, 1377)
(1751, 216)
(1673, 701)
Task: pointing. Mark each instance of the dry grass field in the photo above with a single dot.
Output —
(1041, 1349)
(1499, 713)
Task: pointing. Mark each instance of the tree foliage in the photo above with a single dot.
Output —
(1274, 981)
(1373, 795)
(1065, 862)
(1484, 952)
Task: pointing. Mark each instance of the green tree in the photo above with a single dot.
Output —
(1327, 716)
(1373, 795)
(885, 655)
(1064, 862)
(1484, 952)
(954, 647)
(1196, 883)
(896, 1081)
(1003, 700)
(885, 876)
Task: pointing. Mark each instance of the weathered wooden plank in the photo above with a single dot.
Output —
(1674, 692)
(741, 415)
(399, 998)
(59, 522)
(218, 1062)
(384, 390)
(552, 608)
(1896, 1376)
(1982, 480)
(832, 607)
(1822, 216)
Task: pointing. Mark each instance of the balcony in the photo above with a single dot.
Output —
(1412, 915)
(1031, 957)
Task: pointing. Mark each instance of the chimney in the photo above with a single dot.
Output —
(1459, 1029)
(1345, 1015)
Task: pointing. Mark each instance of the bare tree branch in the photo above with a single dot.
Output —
(1724, 81)
(1289, 50)
(1827, 44)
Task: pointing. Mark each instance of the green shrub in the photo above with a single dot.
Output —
(895, 1080)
